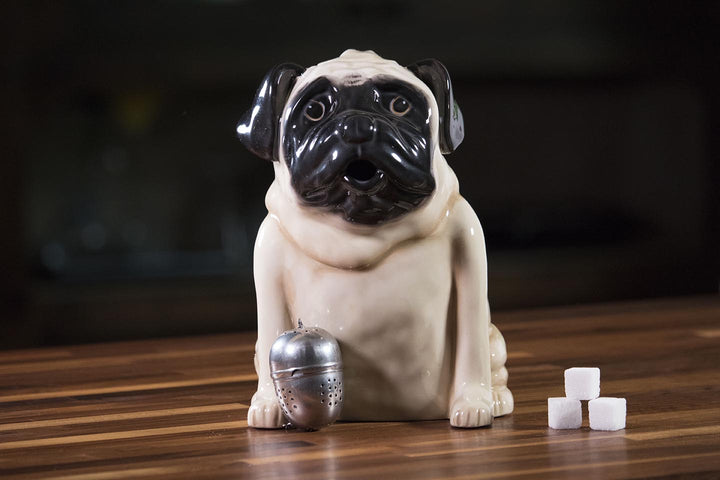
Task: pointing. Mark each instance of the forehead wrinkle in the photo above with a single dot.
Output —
(365, 65)
(354, 79)
(352, 86)
(352, 66)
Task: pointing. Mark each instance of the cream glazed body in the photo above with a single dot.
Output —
(406, 298)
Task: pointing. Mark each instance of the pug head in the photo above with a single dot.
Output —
(358, 142)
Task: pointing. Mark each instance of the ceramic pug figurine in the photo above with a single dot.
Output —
(368, 237)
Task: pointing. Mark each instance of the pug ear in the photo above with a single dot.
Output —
(436, 76)
(258, 127)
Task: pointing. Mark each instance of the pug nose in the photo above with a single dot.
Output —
(358, 129)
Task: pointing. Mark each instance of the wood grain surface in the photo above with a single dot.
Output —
(176, 408)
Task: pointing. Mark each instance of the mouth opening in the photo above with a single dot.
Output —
(361, 171)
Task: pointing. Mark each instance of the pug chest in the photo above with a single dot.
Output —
(391, 321)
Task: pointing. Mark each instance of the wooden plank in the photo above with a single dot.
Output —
(78, 392)
(122, 416)
(535, 472)
(175, 408)
(130, 434)
(56, 364)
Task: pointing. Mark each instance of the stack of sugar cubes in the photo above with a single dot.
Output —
(583, 383)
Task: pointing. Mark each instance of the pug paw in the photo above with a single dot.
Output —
(503, 400)
(472, 408)
(265, 412)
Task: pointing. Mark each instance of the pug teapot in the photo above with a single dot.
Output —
(367, 237)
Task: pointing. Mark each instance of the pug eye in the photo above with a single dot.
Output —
(315, 111)
(399, 106)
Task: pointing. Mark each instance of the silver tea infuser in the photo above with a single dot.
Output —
(306, 368)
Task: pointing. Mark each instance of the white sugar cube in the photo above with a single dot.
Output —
(564, 413)
(607, 413)
(582, 383)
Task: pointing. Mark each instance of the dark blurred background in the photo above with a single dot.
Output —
(128, 208)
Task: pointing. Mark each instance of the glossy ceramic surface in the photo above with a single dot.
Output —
(406, 297)
(360, 150)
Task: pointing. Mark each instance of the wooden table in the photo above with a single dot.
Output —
(168, 409)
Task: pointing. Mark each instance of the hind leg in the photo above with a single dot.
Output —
(503, 402)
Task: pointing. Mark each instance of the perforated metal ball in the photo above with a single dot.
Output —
(306, 368)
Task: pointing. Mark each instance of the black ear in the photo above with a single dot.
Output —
(436, 76)
(258, 127)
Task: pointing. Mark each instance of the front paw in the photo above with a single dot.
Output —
(472, 408)
(265, 412)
